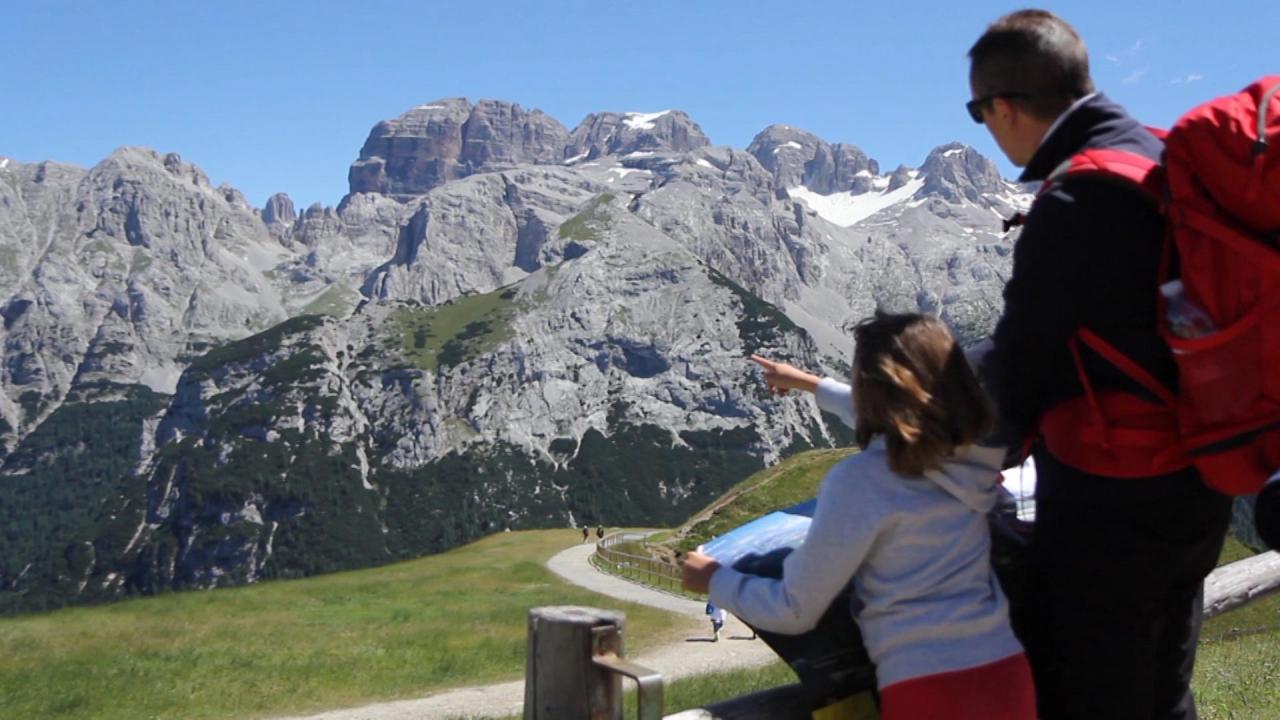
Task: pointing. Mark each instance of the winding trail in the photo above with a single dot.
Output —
(694, 655)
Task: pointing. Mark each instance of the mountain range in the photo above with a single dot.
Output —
(504, 324)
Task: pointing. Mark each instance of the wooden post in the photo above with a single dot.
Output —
(573, 667)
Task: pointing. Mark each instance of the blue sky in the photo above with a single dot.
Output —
(279, 96)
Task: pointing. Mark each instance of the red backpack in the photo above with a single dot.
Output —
(1219, 189)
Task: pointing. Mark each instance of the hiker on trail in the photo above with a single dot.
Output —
(717, 616)
(905, 522)
(1119, 549)
(599, 532)
(586, 534)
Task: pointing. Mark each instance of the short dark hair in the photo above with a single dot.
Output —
(912, 384)
(1033, 52)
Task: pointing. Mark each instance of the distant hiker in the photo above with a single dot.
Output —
(599, 532)
(1119, 548)
(717, 616)
(586, 534)
(903, 522)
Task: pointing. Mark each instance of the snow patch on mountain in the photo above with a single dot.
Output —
(642, 121)
(847, 209)
(622, 172)
(1018, 196)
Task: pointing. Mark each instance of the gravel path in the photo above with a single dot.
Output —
(693, 655)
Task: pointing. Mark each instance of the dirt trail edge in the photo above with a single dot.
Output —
(693, 655)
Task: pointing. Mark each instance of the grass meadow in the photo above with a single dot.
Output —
(394, 632)
(1238, 661)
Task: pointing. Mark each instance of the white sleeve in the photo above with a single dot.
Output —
(836, 398)
(843, 531)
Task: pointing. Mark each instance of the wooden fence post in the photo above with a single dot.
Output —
(574, 663)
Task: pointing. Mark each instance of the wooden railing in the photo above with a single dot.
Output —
(568, 644)
(612, 556)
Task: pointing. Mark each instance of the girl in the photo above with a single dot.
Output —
(718, 616)
(905, 519)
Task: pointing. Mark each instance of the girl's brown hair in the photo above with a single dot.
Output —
(912, 384)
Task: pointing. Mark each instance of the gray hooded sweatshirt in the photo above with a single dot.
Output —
(917, 550)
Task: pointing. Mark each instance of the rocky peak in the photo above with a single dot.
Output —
(785, 151)
(452, 139)
(797, 157)
(848, 168)
(147, 163)
(957, 172)
(612, 133)
(502, 133)
(279, 210)
(900, 177)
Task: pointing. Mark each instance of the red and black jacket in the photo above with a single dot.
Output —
(1088, 257)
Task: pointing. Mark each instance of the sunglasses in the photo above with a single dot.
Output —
(976, 105)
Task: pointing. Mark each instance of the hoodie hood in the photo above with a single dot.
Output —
(972, 476)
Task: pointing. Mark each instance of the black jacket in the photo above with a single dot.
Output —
(1088, 256)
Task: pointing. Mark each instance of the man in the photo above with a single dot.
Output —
(1118, 557)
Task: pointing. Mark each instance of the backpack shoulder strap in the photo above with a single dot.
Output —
(1118, 166)
(1127, 168)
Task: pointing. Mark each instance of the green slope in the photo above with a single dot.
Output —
(793, 480)
(398, 631)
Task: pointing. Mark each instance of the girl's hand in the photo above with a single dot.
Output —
(696, 570)
(782, 377)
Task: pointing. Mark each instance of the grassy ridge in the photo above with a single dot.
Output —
(787, 483)
(306, 645)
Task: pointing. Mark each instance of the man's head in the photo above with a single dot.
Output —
(1024, 72)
